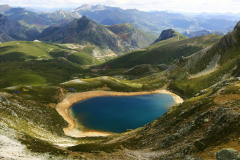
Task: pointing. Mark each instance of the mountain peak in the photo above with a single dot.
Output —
(166, 34)
(85, 18)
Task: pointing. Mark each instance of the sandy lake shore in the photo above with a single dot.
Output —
(63, 108)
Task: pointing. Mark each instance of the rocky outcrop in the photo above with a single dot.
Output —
(166, 34)
(228, 154)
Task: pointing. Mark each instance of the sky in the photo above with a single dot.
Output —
(191, 6)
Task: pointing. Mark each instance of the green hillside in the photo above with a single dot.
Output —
(166, 51)
(169, 33)
(199, 71)
(26, 50)
(37, 63)
(36, 73)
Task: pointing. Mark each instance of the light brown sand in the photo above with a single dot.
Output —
(63, 108)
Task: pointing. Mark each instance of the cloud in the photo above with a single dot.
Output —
(218, 6)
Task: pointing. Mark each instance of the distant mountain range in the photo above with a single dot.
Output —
(156, 21)
(37, 20)
(192, 34)
(151, 22)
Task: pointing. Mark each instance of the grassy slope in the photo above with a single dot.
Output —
(164, 51)
(88, 48)
(31, 63)
(228, 65)
(23, 50)
(36, 72)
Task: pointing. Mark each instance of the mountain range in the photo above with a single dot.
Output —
(155, 22)
(151, 22)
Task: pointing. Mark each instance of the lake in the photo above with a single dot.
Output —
(119, 113)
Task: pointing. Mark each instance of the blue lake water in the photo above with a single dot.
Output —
(119, 113)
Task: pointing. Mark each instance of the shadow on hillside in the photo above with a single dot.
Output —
(15, 56)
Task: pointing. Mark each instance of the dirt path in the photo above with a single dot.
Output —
(212, 67)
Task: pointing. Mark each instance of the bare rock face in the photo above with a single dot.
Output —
(228, 154)
(166, 34)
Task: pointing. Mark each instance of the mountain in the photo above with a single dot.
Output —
(117, 38)
(167, 34)
(156, 21)
(82, 30)
(131, 35)
(13, 30)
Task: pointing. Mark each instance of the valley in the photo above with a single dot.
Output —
(51, 61)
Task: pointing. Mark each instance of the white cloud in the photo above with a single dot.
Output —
(219, 6)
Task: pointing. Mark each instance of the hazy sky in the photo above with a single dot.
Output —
(195, 6)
